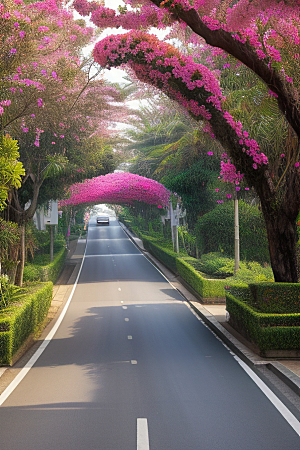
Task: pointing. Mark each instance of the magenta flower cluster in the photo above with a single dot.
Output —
(118, 188)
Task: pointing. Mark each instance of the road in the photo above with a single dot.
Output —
(132, 368)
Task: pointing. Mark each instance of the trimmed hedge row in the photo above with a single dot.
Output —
(49, 272)
(267, 331)
(206, 288)
(276, 298)
(166, 256)
(20, 320)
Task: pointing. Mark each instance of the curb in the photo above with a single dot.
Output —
(244, 353)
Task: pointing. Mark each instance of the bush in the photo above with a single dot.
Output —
(216, 264)
(215, 232)
(267, 331)
(42, 269)
(20, 320)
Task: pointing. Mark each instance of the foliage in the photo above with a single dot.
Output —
(42, 269)
(195, 187)
(11, 169)
(9, 293)
(216, 264)
(19, 321)
(9, 239)
(215, 232)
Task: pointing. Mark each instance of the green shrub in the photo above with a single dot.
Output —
(267, 331)
(20, 320)
(44, 270)
(215, 232)
(216, 264)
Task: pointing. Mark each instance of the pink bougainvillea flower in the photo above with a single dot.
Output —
(25, 130)
(228, 195)
(22, 34)
(210, 153)
(40, 102)
(217, 190)
(13, 51)
(297, 164)
(43, 29)
(53, 143)
(282, 155)
(32, 115)
(247, 189)
(237, 188)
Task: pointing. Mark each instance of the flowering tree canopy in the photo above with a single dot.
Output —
(118, 188)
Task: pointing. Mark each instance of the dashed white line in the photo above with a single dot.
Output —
(129, 337)
(124, 307)
(142, 434)
(126, 319)
(133, 361)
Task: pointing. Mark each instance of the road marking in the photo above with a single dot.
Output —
(133, 361)
(284, 411)
(12, 386)
(126, 319)
(119, 289)
(142, 435)
(124, 307)
(129, 337)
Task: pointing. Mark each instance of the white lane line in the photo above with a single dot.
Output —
(284, 411)
(126, 319)
(142, 435)
(124, 307)
(133, 361)
(129, 337)
(12, 386)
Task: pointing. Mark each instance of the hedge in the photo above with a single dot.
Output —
(277, 298)
(48, 272)
(205, 287)
(166, 256)
(267, 331)
(22, 319)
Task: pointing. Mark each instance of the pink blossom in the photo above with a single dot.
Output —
(297, 164)
(40, 102)
(118, 188)
(228, 195)
(43, 29)
(22, 34)
(13, 51)
(210, 153)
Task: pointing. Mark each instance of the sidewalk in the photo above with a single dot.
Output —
(214, 316)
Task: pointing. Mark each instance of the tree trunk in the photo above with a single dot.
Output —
(20, 267)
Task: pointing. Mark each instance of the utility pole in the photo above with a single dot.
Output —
(236, 235)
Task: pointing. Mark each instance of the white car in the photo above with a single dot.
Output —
(103, 219)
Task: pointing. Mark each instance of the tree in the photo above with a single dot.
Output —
(52, 103)
(264, 39)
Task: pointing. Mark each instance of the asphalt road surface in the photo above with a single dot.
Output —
(132, 368)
